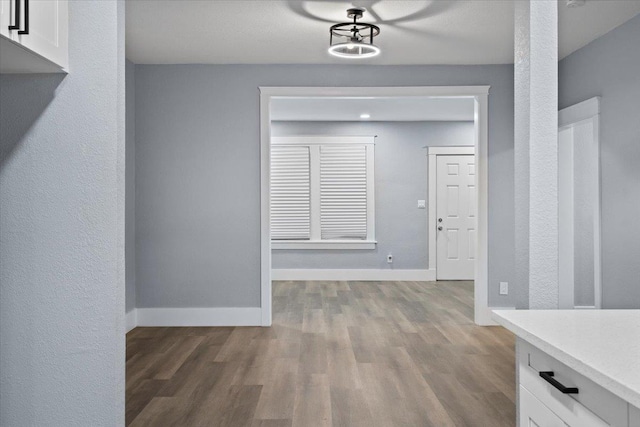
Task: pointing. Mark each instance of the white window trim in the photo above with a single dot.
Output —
(323, 244)
(321, 140)
(316, 242)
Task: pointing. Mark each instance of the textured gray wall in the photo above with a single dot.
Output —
(130, 182)
(400, 180)
(198, 172)
(610, 67)
(61, 226)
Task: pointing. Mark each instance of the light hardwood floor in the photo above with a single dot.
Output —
(339, 354)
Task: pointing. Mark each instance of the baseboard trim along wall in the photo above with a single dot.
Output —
(131, 319)
(365, 275)
(252, 316)
(217, 316)
(245, 316)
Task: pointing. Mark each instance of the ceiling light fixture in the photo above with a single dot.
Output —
(365, 116)
(353, 39)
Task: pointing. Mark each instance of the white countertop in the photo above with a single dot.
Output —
(602, 345)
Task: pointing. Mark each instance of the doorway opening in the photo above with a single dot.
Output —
(478, 95)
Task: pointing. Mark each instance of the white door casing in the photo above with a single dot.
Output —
(456, 212)
(579, 202)
(566, 237)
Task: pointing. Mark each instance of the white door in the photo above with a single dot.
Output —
(456, 203)
(534, 413)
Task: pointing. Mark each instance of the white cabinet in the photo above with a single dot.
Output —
(5, 17)
(562, 395)
(33, 36)
(535, 413)
(582, 365)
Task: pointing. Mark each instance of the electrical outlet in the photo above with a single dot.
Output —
(390, 258)
(422, 204)
(504, 288)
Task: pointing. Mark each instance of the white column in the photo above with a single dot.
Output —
(536, 150)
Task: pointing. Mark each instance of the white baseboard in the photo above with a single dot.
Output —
(365, 275)
(218, 316)
(585, 307)
(484, 317)
(131, 319)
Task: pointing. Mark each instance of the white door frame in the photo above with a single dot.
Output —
(480, 94)
(433, 153)
(588, 110)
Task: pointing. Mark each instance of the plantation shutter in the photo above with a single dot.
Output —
(343, 192)
(290, 193)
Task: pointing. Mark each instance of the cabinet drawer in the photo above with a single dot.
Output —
(534, 413)
(591, 406)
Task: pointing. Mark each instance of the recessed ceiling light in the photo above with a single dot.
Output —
(365, 116)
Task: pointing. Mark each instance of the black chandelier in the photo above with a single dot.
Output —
(353, 39)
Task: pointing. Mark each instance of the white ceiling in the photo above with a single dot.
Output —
(297, 31)
(379, 109)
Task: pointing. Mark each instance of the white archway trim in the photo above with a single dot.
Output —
(480, 94)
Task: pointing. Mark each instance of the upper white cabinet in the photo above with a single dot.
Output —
(5, 20)
(33, 36)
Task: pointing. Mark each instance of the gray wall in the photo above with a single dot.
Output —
(61, 304)
(130, 182)
(198, 172)
(610, 67)
(400, 180)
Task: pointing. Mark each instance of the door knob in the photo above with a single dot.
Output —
(439, 219)
(440, 228)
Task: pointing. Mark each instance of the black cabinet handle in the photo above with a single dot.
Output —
(548, 377)
(26, 18)
(16, 14)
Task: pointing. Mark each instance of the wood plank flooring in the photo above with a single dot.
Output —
(339, 354)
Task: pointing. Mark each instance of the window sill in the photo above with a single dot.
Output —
(328, 244)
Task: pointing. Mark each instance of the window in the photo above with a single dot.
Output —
(322, 194)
